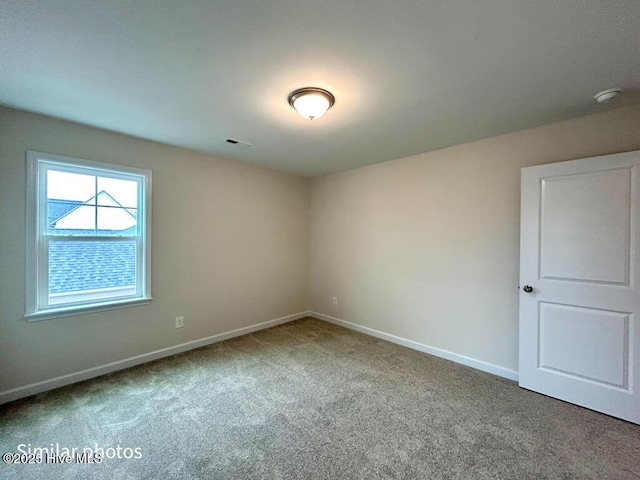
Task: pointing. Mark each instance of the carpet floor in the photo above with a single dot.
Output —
(310, 400)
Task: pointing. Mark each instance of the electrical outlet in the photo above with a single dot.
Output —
(179, 322)
(335, 301)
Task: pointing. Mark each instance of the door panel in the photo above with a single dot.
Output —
(586, 216)
(584, 343)
(579, 338)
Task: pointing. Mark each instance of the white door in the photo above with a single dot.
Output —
(580, 283)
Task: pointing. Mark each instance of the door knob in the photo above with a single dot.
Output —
(527, 288)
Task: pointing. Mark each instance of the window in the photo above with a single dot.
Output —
(88, 236)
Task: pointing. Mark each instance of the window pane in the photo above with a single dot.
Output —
(69, 200)
(74, 187)
(117, 206)
(116, 221)
(78, 220)
(124, 192)
(91, 270)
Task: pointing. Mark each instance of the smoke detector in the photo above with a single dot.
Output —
(607, 95)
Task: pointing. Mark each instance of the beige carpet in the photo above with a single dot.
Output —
(309, 400)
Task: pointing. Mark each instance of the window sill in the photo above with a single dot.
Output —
(84, 309)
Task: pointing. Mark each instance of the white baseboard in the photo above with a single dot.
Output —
(38, 387)
(438, 352)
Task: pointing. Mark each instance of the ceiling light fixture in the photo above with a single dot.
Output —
(607, 95)
(311, 102)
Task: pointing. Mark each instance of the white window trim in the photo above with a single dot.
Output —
(34, 205)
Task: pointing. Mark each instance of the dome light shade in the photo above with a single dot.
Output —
(310, 102)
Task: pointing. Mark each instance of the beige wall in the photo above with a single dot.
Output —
(427, 247)
(424, 247)
(229, 247)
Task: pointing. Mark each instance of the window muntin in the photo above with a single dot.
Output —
(88, 234)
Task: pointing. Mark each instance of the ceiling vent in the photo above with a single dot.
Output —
(238, 143)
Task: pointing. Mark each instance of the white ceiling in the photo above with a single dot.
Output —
(409, 76)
